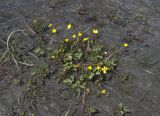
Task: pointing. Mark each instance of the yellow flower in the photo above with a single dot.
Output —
(69, 26)
(53, 56)
(85, 39)
(104, 69)
(95, 31)
(66, 40)
(125, 44)
(89, 67)
(54, 30)
(103, 91)
(50, 25)
(98, 67)
(74, 36)
(80, 34)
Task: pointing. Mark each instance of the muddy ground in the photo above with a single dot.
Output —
(134, 21)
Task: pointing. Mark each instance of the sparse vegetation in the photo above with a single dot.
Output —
(122, 110)
(83, 58)
(71, 58)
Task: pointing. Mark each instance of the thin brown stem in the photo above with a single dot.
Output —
(83, 102)
(30, 29)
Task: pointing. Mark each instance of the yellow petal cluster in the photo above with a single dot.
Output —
(98, 67)
(74, 36)
(79, 34)
(125, 44)
(54, 30)
(104, 69)
(89, 67)
(103, 91)
(95, 31)
(85, 39)
(69, 26)
(66, 40)
(50, 25)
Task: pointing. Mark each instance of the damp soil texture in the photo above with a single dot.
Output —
(135, 84)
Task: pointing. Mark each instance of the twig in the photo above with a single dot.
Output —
(152, 74)
(31, 30)
(4, 52)
(25, 63)
(55, 41)
(88, 45)
(114, 53)
(8, 39)
(83, 102)
(117, 8)
(3, 55)
(147, 89)
(144, 95)
(30, 60)
(16, 63)
(2, 40)
(7, 43)
(68, 110)
(86, 30)
(8, 48)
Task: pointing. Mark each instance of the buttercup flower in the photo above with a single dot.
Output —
(85, 39)
(103, 91)
(89, 67)
(54, 30)
(125, 44)
(50, 25)
(80, 34)
(98, 67)
(53, 56)
(66, 40)
(104, 69)
(69, 26)
(95, 31)
(74, 36)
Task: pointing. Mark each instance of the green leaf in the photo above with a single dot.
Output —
(68, 81)
(74, 85)
(97, 47)
(81, 78)
(72, 77)
(90, 76)
(97, 73)
(78, 54)
(83, 85)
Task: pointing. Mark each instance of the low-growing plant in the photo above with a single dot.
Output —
(82, 58)
(42, 71)
(91, 110)
(38, 26)
(122, 110)
(39, 51)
